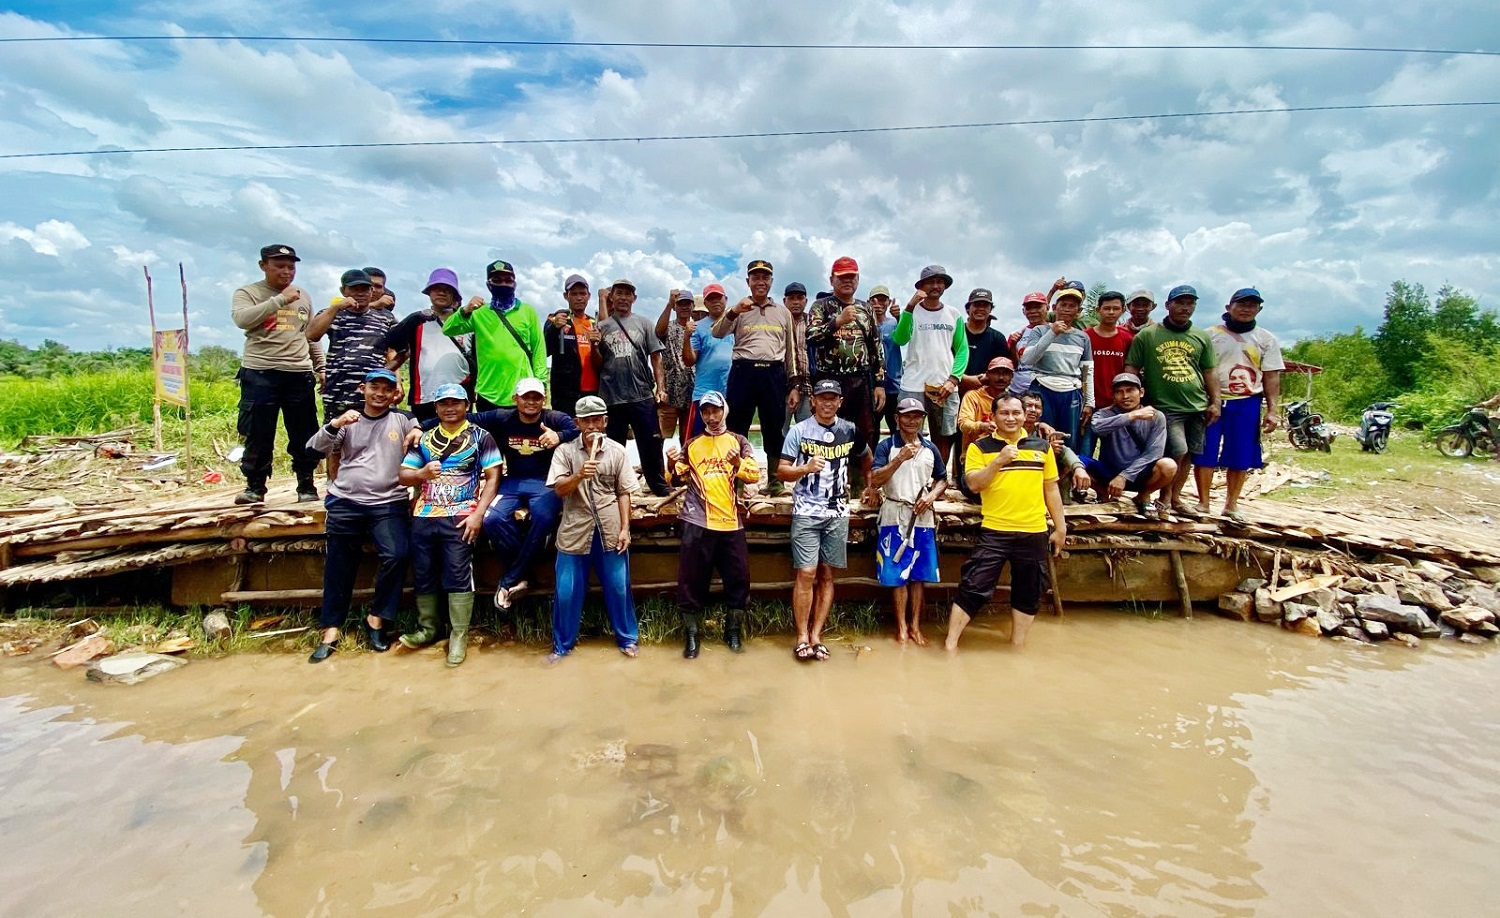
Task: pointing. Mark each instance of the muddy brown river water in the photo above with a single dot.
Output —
(1119, 766)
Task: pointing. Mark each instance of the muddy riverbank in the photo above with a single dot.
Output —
(1120, 765)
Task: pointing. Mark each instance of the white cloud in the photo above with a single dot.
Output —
(53, 238)
(1324, 209)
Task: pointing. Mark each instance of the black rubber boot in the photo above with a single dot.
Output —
(307, 492)
(690, 645)
(733, 627)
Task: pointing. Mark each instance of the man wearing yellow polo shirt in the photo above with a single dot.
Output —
(1015, 477)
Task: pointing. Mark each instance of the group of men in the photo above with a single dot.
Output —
(1021, 423)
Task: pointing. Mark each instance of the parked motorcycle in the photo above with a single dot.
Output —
(1374, 431)
(1305, 428)
(1469, 436)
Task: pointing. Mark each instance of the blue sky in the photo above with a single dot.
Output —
(1320, 210)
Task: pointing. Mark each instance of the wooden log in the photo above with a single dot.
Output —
(1057, 606)
(1180, 575)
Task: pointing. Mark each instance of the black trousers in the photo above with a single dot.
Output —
(565, 397)
(1027, 554)
(348, 526)
(703, 552)
(859, 405)
(640, 417)
(265, 394)
(756, 386)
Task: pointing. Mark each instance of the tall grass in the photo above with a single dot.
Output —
(88, 403)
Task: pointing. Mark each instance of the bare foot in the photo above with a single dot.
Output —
(918, 639)
(901, 637)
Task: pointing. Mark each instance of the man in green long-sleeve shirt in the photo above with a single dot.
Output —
(508, 342)
(934, 355)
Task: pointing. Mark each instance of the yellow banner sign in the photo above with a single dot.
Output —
(170, 359)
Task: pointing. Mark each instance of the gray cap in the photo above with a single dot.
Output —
(910, 404)
(932, 271)
(573, 281)
(1126, 379)
(590, 406)
(684, 294)
(1140, 293)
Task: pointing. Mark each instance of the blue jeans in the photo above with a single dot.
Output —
(348, 526)
(613, 571)
(515, 540)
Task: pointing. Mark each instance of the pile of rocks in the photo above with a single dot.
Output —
(1398, 600)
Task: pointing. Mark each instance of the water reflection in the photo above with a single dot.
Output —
(1118, 766)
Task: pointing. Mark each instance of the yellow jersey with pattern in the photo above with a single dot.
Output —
(710, 476)
(1012, 501)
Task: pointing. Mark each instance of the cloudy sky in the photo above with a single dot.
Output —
(1320, 210)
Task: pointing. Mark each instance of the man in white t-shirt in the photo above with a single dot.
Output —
(1248, 361)
(934, 355)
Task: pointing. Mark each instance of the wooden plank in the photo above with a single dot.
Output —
(1306, 586)
(1180, 575)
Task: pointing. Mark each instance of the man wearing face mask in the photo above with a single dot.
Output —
(434, 358)
(507, 338)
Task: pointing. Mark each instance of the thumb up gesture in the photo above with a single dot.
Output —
(549, 438)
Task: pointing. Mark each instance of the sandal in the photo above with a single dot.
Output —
(803, 651)
(502, 597)
(629, 650)
(820, 652)
(1236, 519)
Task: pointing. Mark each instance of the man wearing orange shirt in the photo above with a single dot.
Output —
(568, 344)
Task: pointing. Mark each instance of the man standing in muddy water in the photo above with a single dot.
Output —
(816, 457)
(594, 478)
(1015, 477)
(711, 464)
(276, 374)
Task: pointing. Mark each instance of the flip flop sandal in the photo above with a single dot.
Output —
(1236, 518)
(820, 652)
(502, 598)
(629, 650)
(803, 651)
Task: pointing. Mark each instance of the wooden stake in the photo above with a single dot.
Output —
(1179, 573)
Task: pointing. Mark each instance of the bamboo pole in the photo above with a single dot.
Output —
(187, 391)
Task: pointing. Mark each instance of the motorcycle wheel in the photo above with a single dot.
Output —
(1379, 440)
(1484, 446)
(1326, 444)
(1455, 444)
(1298, 438)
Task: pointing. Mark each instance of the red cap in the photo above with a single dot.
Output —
(1035, 297)
(711, 289)
(845, 265)
(1000, 363)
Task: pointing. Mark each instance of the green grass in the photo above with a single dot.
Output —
(143, 627)
(1356, 473)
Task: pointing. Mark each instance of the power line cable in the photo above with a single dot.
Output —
(752, 46)
(658, 138)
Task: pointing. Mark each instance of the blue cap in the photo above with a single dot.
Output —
(712, 398)
(1181, 290)
(382, 373)
(1247, 293)
(827, 387)
(450, 390)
